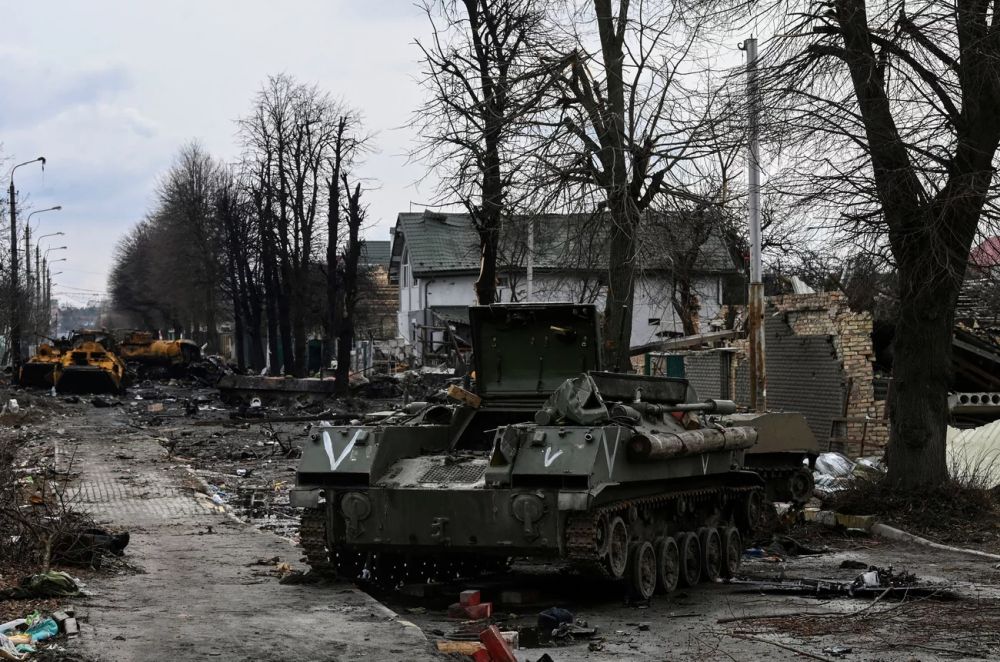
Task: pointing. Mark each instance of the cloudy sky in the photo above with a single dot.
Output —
(107, 90)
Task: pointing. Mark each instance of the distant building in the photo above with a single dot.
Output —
(378, 300)
(435, 261)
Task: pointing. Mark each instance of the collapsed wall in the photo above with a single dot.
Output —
(819, 360)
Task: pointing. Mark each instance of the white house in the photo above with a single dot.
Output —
(435, 261)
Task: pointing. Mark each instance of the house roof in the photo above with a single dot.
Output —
(986, 254)
(440, 243)
(375, 252)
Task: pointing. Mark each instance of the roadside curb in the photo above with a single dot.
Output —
(892, 533)
(870, 524)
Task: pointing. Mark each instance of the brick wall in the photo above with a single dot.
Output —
(827, 313)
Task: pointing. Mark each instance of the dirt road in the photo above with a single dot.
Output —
(197, 594)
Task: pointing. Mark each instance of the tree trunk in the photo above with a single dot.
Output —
(617, 329)
(285, 328)
(686, 306)
(299, 367)
(921, 374)
(486, 285)
(238, 343)
(271, 304)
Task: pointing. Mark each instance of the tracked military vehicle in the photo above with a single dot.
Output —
(548, 458)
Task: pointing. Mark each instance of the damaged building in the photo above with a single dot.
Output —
(436, 258)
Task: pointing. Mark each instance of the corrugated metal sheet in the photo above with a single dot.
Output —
(804, 375)
(708, 373)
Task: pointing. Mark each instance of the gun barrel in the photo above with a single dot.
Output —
(709, 407)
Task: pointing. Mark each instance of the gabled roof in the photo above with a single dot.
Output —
(447, 243)
(375, 253)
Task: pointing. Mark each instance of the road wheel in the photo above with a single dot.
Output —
(617, 559)
(711, 554)
(750, 512)
(801, 485)
(732, 547)
(602, 535)
(668, 565)
(642, 570)
(690, 559)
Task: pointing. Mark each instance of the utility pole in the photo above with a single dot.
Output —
(755, 307)
(27, 278)
(15, 313)
(38, 273)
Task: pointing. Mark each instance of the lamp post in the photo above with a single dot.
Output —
(38, 259)
(27, 244)
(15, 322)
(48, 293)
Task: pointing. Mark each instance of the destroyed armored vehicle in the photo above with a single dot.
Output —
(40, 369)
(152, 355)
(90, 365)
(547, 458)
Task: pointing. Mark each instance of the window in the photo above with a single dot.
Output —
(405, 271)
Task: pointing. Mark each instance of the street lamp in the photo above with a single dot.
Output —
(27, 246)
(38, 258)
(32, 301)
(15, 322)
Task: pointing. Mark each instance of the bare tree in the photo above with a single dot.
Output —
(354, 215)
(626, 127)
(485, 78)
(349, 143)
(892, 114)
(288, 139)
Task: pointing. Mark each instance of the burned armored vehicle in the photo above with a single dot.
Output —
(546, 458)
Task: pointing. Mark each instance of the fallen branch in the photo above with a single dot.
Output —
(760, 617)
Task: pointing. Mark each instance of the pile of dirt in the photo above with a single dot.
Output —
(953, 513)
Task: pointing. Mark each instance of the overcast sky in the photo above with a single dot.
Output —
(107, 91)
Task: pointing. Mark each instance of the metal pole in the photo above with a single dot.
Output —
(15, 313)
(755, 309)
(15, 324)
(48, 298)
(27, 279)
(38, 273)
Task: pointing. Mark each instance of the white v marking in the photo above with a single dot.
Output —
(607, 453)
(328, 447)
(550, 459)
(704, 464)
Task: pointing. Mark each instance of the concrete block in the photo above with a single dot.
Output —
(70, 627)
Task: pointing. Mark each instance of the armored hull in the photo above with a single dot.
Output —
(39, 370)
(90, 365)
(644, 488)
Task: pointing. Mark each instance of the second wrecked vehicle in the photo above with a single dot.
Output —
(90, 365)
(551, 458)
